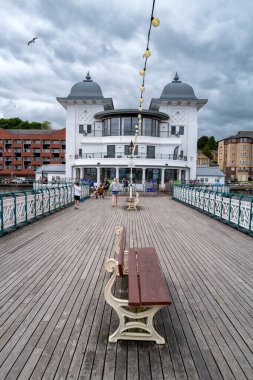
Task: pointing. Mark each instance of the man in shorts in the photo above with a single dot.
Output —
(78, 191)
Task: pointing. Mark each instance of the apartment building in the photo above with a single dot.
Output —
(23, 151)
(235, 156)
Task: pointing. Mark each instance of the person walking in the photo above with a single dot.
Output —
(106, 185)
(115, 191)
(78, 191)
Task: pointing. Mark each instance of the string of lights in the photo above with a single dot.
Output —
(155, 22)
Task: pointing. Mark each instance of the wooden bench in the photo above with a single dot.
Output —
(147, 291)
(132, 202)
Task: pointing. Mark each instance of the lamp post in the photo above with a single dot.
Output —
(131, 151)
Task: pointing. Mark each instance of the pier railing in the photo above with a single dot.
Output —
(236, 210)
(22, 207)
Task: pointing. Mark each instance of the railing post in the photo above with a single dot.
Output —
(251, 211)
(26, 211)
(229, 211)
(15, 209)
(2, 214)
(239, 210)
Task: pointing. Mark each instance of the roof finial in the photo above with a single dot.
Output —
(176, 79)
(88, 78)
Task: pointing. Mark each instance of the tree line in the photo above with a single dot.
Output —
(206, 145)
(17, 123)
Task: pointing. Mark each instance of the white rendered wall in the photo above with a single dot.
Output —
(185, 116)
(77, 115)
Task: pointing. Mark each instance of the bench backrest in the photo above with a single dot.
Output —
(120, 246)
(136, 201)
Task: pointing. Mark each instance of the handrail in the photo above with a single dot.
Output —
(235, 210)
(22, 207)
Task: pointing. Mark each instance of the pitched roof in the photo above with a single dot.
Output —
(211, 171)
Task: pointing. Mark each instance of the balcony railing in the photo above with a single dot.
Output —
(139, 156)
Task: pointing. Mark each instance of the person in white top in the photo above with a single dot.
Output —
(115, 191)
(78, 191)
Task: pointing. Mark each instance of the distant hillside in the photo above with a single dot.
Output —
(17, 123)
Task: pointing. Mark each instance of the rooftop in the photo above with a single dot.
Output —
(131, 112)
(211, 171)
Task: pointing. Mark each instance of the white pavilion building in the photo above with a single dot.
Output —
(98, 136)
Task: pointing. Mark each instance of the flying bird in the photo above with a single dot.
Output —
(33, 40)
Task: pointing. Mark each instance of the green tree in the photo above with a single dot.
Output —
(202, 141)
(207, 151)
(46, 125)
(17, 123)
(212, 143)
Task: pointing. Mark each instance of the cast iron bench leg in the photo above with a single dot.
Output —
(142, 320)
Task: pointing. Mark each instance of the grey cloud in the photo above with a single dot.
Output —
(208, 43)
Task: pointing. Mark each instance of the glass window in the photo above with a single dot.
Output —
(111, 151)
(88, 128)
(80, 153)
(181, 130)
(106, 125)
(134, 123)
(147, 127)
(173, 130)
(126, 150)
(81, 129)
(115, 126)
(150, 151)
(127, 126)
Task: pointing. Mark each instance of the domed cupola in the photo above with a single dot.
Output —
(178, 90)
(87, 89)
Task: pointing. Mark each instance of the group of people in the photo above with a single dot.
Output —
(101, 191)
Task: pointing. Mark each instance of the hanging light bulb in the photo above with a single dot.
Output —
(141, 100)
(155, 21)
(140, 108)
(142, 88)
(139, 116)
(147, 53)
(136, 126)
(142, 71)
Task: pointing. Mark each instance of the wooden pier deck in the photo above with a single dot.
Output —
(54, 323)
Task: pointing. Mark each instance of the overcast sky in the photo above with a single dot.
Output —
(209, 44)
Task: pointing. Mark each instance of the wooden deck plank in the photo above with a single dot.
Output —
(54, 322)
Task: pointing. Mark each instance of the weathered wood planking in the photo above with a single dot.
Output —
(54, 322)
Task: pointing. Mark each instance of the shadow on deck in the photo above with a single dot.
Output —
(54, 323)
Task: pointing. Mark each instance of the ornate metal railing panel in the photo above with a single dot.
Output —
(20, 208)
(235, 210)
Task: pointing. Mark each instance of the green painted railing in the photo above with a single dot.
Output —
(235, 210)
(22, 207)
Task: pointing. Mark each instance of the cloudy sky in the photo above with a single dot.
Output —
(209, 44)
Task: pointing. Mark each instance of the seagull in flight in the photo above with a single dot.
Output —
(33, 40)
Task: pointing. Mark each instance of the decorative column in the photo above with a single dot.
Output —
(143, 176)
(117, 172)
(98, 175)
(179, 174)
(162, 178)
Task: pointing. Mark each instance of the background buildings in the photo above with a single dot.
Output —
(235, 156)
(22, 152)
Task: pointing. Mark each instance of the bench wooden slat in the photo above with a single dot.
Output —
(153, 287)
(122, 246)
(133, 280)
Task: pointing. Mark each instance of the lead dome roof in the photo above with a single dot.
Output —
(178, 90)
(87, 89)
